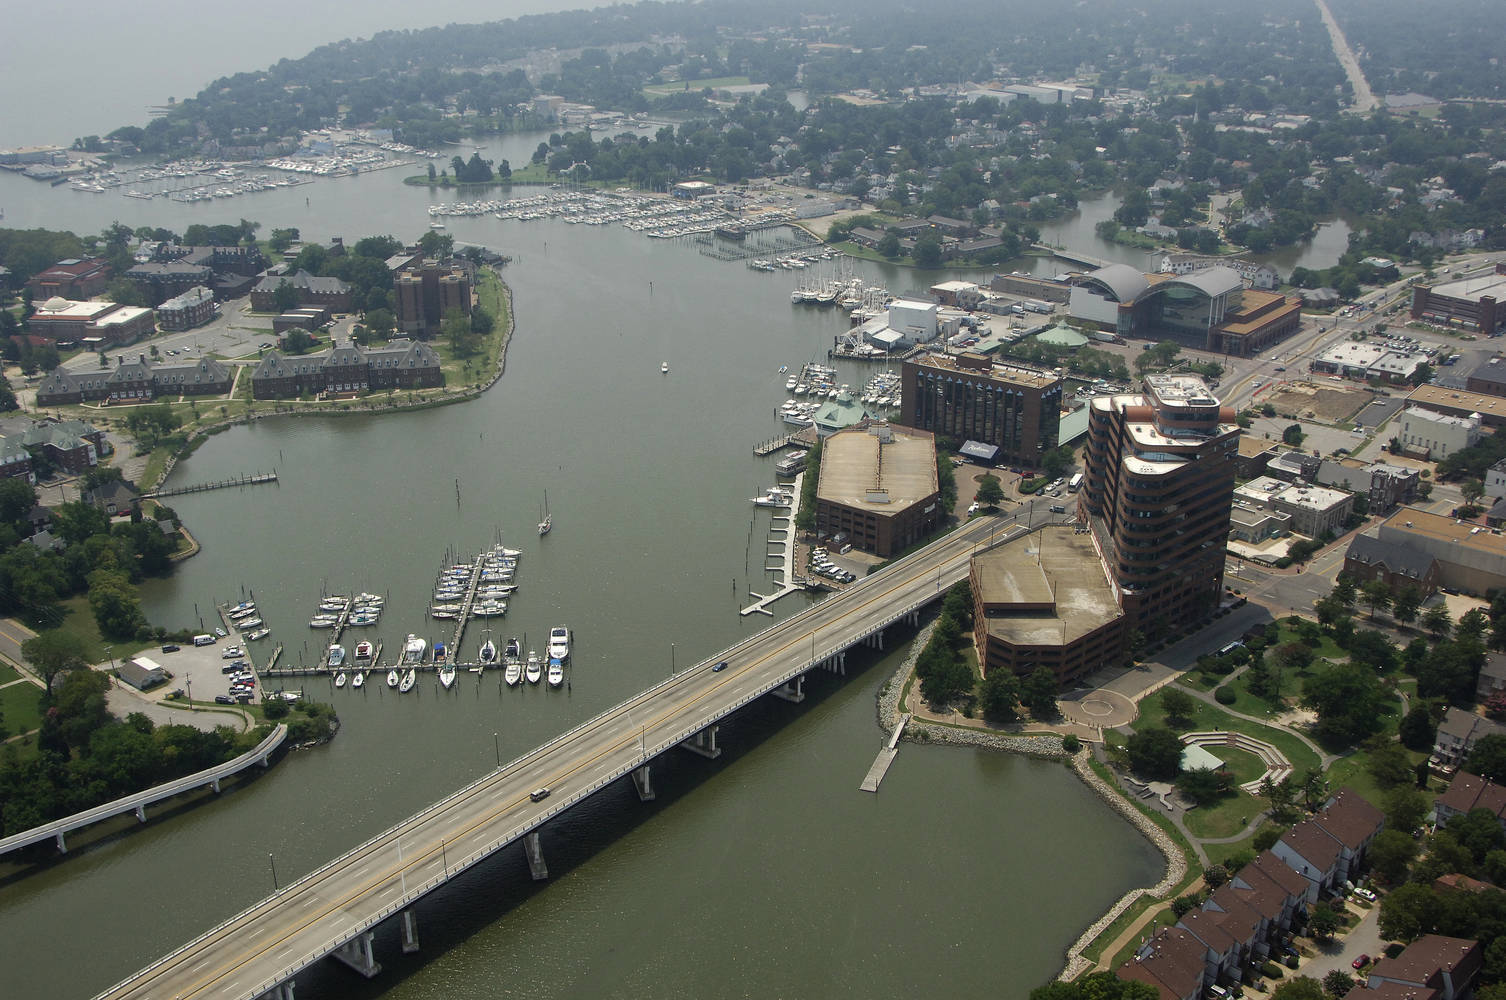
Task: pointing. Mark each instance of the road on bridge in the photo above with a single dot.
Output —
(270, 942)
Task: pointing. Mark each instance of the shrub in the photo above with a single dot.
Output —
(1071, 743)
(1225, 695)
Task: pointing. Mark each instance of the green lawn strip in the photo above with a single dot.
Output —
(8, 673)
(1326, 646)
(1208, 717)
(1221, 853)
(1199, 681)
(1194, 873)
(78, 618)
(1353, 771)
(20, 708)
(694, 86)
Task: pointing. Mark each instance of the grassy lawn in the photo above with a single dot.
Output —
(1219, 853)
(78, 618)
(694, 86)
(1207, 717)
(18, 707)
(1326, 646)
(1353, 772)
(8, 673)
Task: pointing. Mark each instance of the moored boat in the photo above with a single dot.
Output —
(336, 655)
(559, 643)
(488, 651)
(535, 669)
(513, 671)
(446, 674)
(340, 679)
(409, 679)
(413, 649)
(393, 677)
(556, 672)
(441, 655)
(363, 650)
(260, 633)
(358, 679)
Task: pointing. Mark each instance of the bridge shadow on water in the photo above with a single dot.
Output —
(468, 904)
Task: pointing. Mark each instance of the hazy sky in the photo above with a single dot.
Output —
(93, 65)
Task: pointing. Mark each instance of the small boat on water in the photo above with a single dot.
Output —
(393, 677)
(664, 368)
(559, 643)
(513, 672)
(545, 522)
(322, 622)
(447, 675)
(488, 651)
(358, 679)
(535, 668)
(409, 679)
(242, 612)
(260, 633)
(413, 649)
(340, 679)
(243, 606)
(363, 650)
(336, 655)
(441, 655)
(248, 623)
(556, 672)
(513, 650)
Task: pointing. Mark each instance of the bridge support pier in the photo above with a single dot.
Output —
(215, 784)
(282, 991)
(792, 691)
(535, 854)
(357, 954)
(266, 761)
(641, 782)
(410, 932)
(704, 743)
(141, 812)
(62, 844)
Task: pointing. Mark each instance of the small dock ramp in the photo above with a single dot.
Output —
(885, 758)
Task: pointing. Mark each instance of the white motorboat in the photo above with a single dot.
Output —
(447, 675)
(340, 679)
(260, 633)
(559, 643)
(363, 650)
(556, 672)
(513, 672)
(414, 649)
(249, 623)
(358, 679)
(488, 651)
(771, 499)
(393, 677)
(535, 668)
(664, 368)
(409, 679)
(336, 655)
(513, 650)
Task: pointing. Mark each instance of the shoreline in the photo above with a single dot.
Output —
(1045, 748)
(343, 408)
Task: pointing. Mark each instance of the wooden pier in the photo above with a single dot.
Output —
(774, 444)
(885, 758)
(255, 479)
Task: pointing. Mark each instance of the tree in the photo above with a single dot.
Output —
(1057, 461)
(116, 607)
(1376, 595)
(1038, 693)
(1437, 621)
(1407, 912)
(990, 492)
(150, 424)
(1215, 876)
(53, 652)
(1282, 797)
(927, 253)
(1417, 729)
(1204, 785)
(1001, 691)
(1323, 922)
(1478, 832)
(1338, 983)
(1300, 988)
(1389, 764)
(1155, 753)
(1178, 706)
(1472, 490)
(889, 246)
(1405, 604)
(1348, 700)
(1487, 758)
(380, 322)
(284, 296)
(1391, 855)
(1293, 435)
(436, 245)
(456, 328)
(482, 322)
(17, 498)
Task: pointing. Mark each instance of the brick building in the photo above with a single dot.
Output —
(425, 291)
(72, 279)
(400, 364)
(310, 289)
(970, 398)
(879, 487)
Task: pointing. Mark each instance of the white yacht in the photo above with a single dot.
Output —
(447, 675)
(340, 679)
(413, 649)
(559, 643)
(535, 668)
(336, 656)
(556, 672)
(409, 679)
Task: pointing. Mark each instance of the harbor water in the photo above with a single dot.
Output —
(765, 873)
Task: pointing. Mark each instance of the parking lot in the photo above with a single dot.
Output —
(202, 671)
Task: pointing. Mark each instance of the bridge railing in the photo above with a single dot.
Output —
(146, 797)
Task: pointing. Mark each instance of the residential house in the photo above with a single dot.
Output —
(1492, 678)
(1369, 558)
(1467, 792)
(116, 498)
(1457, 734)
(1446, 964)
(1173, 961)
(70, 445)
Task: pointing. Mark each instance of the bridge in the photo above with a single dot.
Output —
(1073, 255)
(137, 803)
(332, 911)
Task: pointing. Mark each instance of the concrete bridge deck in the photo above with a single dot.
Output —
(332, 910)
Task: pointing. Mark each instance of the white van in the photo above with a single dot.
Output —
(203, 640)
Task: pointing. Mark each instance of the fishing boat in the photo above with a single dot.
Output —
(413, 649)
(340, 679)
(447, 675)
(772, 498)
(545, 522)
(393, 677)
(488, 651)
(363, 650)
(535, 668)
(358, 679)
(556, 672)
(409, 679)
(336, 655)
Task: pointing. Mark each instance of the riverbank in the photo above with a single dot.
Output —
(891, 704)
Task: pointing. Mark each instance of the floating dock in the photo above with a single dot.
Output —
(885, 758)
(255, 479)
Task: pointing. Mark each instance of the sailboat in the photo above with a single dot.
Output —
(358, 679)
(545, 523)
(393, 677)
(488, 651)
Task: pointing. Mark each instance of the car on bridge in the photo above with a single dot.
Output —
(719, 667)
(538, 794)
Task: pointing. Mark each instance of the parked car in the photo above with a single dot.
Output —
(1361, 962)
(231, 653)
(1366, 894)
(223, 699)
(170, 648)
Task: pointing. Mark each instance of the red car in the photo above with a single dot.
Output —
(1361, 962)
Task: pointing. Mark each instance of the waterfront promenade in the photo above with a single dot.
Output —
(332, 910)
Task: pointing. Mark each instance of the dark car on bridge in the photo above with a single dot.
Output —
(719, 667)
